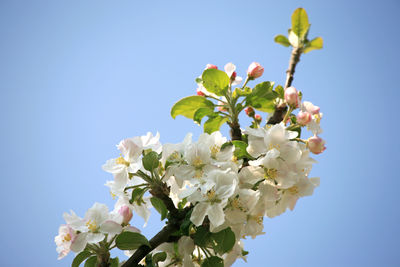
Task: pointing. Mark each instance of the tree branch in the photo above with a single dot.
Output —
(173, 225)
(280, 110)
(158, 239)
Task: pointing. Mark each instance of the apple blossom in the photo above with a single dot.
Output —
(316, 144)
(292, 97)
(255, 70)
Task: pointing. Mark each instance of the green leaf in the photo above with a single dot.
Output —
(137, 195)
(114, 262)
(282, 40)
(80, 258)
(225, 240)
(316, 43)
(262, 98)
(202, 237)
(91, 262)
(213, 261)
(239, 92)
(215, 81)
(201, 113)
(280, 91)
(131, 241)
(150, 161)
(214, 123)
(187, 106)
(160, 207)
(240, 150)
(160, 256)
(300, 23)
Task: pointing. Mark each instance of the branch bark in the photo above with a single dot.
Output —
(280, 110)
(173, 225)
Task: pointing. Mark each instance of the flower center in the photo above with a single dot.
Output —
(272, 146)
(294, 190)
(214, 150)
(197, 162)
(67, 238)
(122, 161)
(91, 225)
(270, 173)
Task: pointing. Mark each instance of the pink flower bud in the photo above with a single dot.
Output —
(316, 144)
(126, 214)
(257, 118)
(311, 108)
(255, 70)
(211, 66)
(303, 118)
(292, 96)
(221, 108)
(199, 92)
(249, 111)
(233, 76)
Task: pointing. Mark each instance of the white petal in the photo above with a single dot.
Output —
(79, 243)
(198, 214)
(110, 227)
(95, 237)
(216, 215)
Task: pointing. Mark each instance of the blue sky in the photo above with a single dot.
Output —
(78, 76)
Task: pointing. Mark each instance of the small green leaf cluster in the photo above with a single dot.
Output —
(298, 34)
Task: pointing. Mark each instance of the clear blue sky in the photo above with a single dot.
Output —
(78, 76)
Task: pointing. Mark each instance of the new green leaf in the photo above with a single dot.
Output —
(80, 258)
(215, 81)
(300, 23)
(160, 256)
(213, 261)
(262, 98)
(189, 105)
(214, 123)
(131, 241)
(282, 40)
(225, 240)
(160, 207)
(315, 43)
(240, 150)
(201, 113)
(91, 262)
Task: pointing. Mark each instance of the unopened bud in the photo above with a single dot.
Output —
(292, 96)
(257, 118)
(233, 76)
(126, 214)
(211, 66)
(199, 92)
(303, 118)
(255, 70)
(310, 107)
(221, 107)
(249, 111)
(316, 144)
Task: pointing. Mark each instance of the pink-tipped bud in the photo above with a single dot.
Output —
(221, 107)
(126, 214)
(249, 111)
(292, 96)
(255, 70)
(257, 118)
(211, 66)
(316, 144)
(199, 92)
(303, 118)
(233, 76)
(311, 108)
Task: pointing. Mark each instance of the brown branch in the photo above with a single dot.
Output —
(158, 239)
(173, 225)
(280, 110)
(236, 133)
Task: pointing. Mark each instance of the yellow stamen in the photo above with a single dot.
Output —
(67, 238)
(122, 161)
(271, 173)
(197, 162)
(91, 225)
(294, 190)
(214, 150)
(211, 194)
